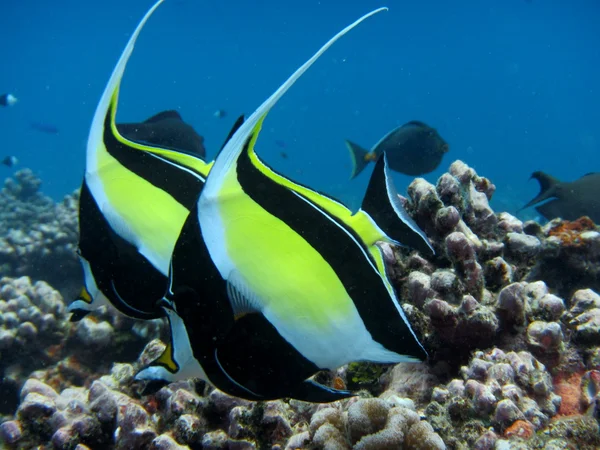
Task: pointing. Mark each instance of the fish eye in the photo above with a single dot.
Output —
(445, 148)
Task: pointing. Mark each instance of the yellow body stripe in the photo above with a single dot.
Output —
(360, 222)
(149, 213)
(284, 258)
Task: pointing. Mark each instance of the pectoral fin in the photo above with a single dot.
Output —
(243, 300)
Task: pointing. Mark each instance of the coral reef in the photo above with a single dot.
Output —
(111, 414)
(512, 392)
(491, 281)
(509, 312)
(35, 334)
(39, 237)
(32, 325)
(570, 255)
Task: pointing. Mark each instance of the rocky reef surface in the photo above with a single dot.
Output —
(509, 312)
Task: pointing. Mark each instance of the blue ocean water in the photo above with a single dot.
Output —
(512, 85)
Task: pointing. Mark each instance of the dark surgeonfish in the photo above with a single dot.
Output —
(412, 149)
(569, 201)
(134, 200)
(8, 100)
(167, 130)
(272, 281)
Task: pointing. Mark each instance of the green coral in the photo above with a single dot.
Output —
(363, 375)
(581, 430)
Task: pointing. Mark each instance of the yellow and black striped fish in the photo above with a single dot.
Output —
(272, 281)
(135, 197)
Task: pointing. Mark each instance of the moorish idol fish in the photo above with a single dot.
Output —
(271, 281)
(134, 200)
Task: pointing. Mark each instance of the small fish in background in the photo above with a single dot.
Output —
(47, 128)
(569, 201)
(8, 100)
(220, 113)
(10, 161)
(282, 144)
(412, 149)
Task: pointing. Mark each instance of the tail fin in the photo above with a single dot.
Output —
(383, 204)
(359, 158)
(547, 188)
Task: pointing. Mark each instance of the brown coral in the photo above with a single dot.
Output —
(568, 386)
(521, 429)
(569, 232)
